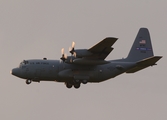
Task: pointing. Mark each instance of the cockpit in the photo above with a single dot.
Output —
(24, 62)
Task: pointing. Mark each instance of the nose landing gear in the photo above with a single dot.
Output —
(28, 81)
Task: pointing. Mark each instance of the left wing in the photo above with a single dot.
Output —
(102, 49)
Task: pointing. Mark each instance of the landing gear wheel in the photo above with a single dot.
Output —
(28, 82)
(77, 85)
(68, 85)
(84, 81)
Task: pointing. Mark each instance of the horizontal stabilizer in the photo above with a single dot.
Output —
(144, 63)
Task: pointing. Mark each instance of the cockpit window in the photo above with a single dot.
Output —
(24, 62)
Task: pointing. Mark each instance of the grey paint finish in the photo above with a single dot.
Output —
(142, 47)
(97, 70)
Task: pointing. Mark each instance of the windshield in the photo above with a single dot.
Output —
(24, 62)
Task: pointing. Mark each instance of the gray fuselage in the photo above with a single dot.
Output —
(89, 65)
(54, 70)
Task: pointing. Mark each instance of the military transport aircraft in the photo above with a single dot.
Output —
(89, 65)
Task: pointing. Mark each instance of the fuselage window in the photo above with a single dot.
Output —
(23, 63)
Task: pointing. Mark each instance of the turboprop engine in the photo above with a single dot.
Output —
(79, 53)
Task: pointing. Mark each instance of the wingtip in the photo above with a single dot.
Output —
(143, 28)
(111, 38)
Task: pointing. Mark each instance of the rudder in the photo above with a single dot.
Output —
(142, 47)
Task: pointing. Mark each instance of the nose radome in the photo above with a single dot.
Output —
(15, 71)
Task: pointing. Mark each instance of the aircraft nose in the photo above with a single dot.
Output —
(15, 71)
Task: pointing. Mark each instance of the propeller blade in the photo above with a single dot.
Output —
(62, 51)
(64, 56)
(73, 44)
(71, 49)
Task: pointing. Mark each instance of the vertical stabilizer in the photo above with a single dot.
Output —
(141, 47)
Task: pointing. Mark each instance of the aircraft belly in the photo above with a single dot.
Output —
(68, 75)
(97, 75)
(102, 75)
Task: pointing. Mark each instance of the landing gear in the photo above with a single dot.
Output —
(84, 81)
(68, 85)
(28, 82)
(77, 85)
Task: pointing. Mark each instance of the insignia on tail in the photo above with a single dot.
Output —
(142, 52)
(142, 47)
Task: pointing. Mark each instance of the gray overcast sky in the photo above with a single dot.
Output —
(40, 28)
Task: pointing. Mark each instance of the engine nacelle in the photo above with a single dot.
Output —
(82, 53)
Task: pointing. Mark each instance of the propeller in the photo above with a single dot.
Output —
(72, 50)
(64, 56)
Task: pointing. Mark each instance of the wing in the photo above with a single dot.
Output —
(102, 49)
(93, 56)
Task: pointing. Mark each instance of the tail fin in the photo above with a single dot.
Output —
(142, 47)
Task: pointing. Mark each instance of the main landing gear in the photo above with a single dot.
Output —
(69, 85)
(75, 83)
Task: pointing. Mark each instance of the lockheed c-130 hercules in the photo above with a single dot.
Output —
(89, 65)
